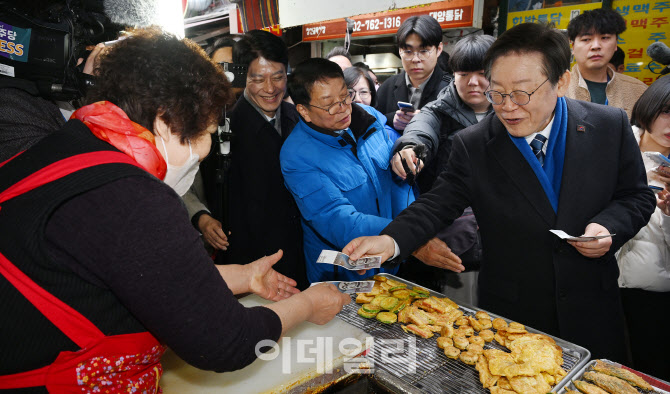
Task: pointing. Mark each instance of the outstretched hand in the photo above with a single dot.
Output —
(268, 283)
(436, 253)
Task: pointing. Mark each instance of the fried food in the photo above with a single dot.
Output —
(503, 383)
(482, 315)
(454, 315)
(498, 390)
(486, 335)
(461, 342)
(477, 340)
(447, 331)
(499, 324)
(371, 308)
(501, 363)
(607, 369)
(474, 348)
(361, 298)
(462, 321)
(516, 328)
(403, 315)
(540, 354)
(389, 303)
(443, 342)
(468, 357)
(387, 317)
(420, 331)
(610, 383)
(499, 338)
(475, 324)
(464, 331)
(485, 377)
(451, 352)
(588, 388)
(529, 384)
(363, 313)
(486, 323)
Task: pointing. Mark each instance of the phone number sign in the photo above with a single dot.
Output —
(453, 13)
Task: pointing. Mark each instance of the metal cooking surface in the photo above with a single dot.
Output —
(435, 372)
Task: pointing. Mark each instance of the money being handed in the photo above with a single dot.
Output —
(341, 259)
(359, 286)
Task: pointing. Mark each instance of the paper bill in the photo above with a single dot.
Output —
(359, 286)
(341, 259)
(563, 235)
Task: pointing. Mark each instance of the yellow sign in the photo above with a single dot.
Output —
(647, 21)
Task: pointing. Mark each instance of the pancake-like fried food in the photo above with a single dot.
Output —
(516, 328)
(464, 331)
(588, 388)
(461, 342)
(486, 335)
(499, 338)
(434, 304)
(451, 352)
(468, 357)
(485, 377)
(482, 315)
(454, 315)
(474, 348)
(449, 303)
(447, 331)
(610, 383)
(477, 340)
(503, 383)
(550, 379)
(361, 298)
(419, 317)
(621, 373)
(434, 328)
(498, 390)
(475, 324)
(486, 323)
(422, 332)
(529, 384)
(462, 321)
(501, 363)
(499, 324)
(443, 342)
(542, 355)
(403, 315)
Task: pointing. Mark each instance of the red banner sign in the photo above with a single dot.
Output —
(451, 13)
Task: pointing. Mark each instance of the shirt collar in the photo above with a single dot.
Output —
(423, 84)
(260, 111)
(546, 132)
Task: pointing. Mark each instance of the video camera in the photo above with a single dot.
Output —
(39, 48)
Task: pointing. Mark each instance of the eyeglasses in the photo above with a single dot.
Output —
(364, 94)
(518, 97)
(336, 106)
(422, 54)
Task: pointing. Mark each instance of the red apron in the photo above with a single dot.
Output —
(127, 363)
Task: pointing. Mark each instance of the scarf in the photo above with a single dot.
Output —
(550, 175)
(110, 124)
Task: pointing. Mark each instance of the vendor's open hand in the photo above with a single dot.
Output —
(326, 302)
(268, 283)
(212, 232)
(663, 201)
(595, 248)
(436, 253)
(89, 66)
(400, 119)
(411, 160)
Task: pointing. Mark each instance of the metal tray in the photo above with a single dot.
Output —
(588, 367)
(433, 372)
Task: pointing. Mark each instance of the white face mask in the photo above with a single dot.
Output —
(180, 178)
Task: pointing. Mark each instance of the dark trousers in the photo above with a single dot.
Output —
(648, 318)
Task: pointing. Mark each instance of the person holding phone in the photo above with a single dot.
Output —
(420, 44)
(644, 261)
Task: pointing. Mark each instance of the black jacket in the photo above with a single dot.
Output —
(527, 273)
(261, 214)
(395, 89)
(435, 127)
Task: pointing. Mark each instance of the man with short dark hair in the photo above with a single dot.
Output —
(420, 44)
(617, 60)
(261, 214)
(543, 162)
(593, 36)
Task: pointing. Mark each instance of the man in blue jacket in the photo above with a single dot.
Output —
(335, 163)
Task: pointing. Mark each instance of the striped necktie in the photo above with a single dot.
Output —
(536, 145)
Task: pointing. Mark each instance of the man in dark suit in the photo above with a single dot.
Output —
(420, 42)
(586, 178)
(261, 214)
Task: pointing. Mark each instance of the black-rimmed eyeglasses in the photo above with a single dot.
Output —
(518, 97)
(337, 106)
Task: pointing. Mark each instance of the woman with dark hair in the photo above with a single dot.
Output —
(100, 268)
(359, 81)
(644, 261)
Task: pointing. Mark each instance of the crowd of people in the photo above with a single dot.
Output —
(128, 228)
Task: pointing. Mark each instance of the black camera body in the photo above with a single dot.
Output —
(40, 54)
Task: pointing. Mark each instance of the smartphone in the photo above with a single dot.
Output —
(655, 189)
(405, 107)
(658, 158)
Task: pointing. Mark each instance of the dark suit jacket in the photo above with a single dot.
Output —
(528, 274)
(395, 89)
(262, 215)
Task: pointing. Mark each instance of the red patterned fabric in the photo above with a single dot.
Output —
(109, 123)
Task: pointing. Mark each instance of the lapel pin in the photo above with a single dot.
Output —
(581, 128)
